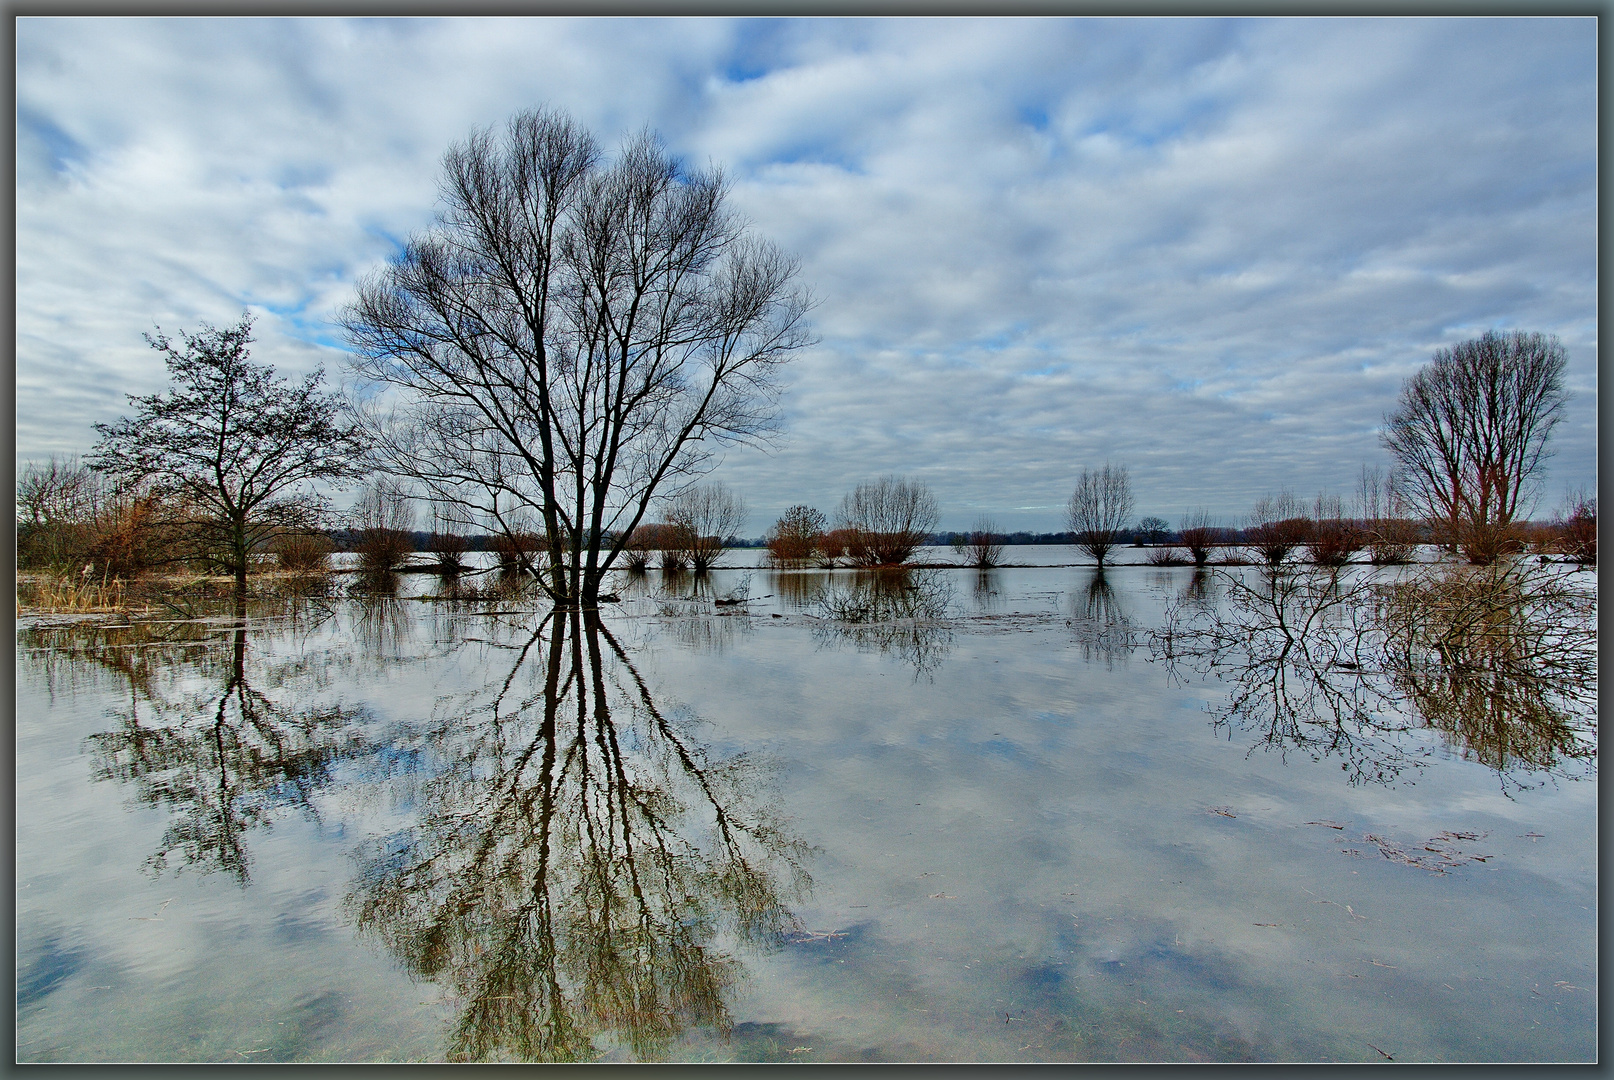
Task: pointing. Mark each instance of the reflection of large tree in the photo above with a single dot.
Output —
(1501, 661)
(224, 760)
(575, 860)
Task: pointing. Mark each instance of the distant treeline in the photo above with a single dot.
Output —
(421, 539)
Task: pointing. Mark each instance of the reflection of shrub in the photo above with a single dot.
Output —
(898, 611)
(304, 553)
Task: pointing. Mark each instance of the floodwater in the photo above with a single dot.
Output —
(947, 816)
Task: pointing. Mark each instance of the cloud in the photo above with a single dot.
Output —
(1211, 249)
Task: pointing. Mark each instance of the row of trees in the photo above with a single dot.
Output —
(879, 523)
(573, 341)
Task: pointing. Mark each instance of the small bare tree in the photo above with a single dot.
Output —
(706, 516)
(1199, 534)
(383, 523)
(982, 545)
(1153, 530)
(1470, 432)
(1334, 537)
(797, 537)
(1391, 535)
(232, 447)
(1100, 508)
(1278, 525)
(886, 519)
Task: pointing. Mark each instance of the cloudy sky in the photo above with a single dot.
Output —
(1209, 249)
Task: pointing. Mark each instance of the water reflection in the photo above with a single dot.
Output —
(987, 591)
(799, 590)
(1200, 593)
(1101, 624)
(1501, 662)
(223, 760)
(383, 625)
(899, 612)
(578, 861)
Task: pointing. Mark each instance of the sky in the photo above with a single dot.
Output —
(1211, 250)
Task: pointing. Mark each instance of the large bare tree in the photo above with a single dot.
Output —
(572, 337)
(1469, 435)
(1100, 508)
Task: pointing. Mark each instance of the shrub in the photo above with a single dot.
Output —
(982, 545)
(797, 537)
(304, 553)
(384, 521)
(1199, 535)
(1166, 556)
(704, 517)
(1277, 527)
(1577, 527)
(1333, 538)
(833, 545)
(886, 519)
(513, 551)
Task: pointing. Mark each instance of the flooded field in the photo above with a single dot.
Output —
(1027, 814)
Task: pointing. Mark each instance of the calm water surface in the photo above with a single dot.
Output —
(969, 816)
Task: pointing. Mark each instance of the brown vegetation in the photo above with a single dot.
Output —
(1278, 525)
(383, 520)
(71, 519)
(1577, 527)
(797, 537)
(304, 554)
(1199, 534)
(1333, 537)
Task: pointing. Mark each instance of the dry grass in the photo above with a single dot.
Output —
(69, 595)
